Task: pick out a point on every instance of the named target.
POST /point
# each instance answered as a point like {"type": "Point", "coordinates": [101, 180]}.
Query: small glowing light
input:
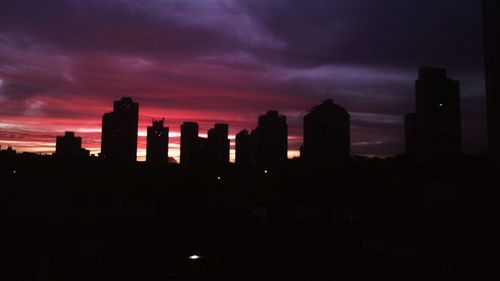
{"type": "Point", "coordinates": [14, 171]}
{"type": "Point", "coordinates": [194, 257]}
{"type": "Point", "coordinates": [441, 105]}
{"type": "Point", "coordinates": [218, 178]}
{"type": "Point", "coordinates": [265, 171]}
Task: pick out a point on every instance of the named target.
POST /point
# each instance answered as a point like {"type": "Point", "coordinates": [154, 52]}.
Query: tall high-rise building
{"type": "Point", "coordinates": [491, 15]}
{"type": "Point", "coordinates": [157, 143]}
{"type": "Point", "coordinates": [69, 147]}
{"type": "Point", "coordinates": [243, 149]}
{"type": "Point", "coordinates": [437, 115]}
{"type": "Point", "coordinates": [201, 157]}
{"type": "Point", "coordinates": [272, 140]}
{"type": "Point", "coordinates": [119, 131]}
{"type": "Point", "coordinates": [327, 138]}
{"type": "Point", "coordinates": [189, 140]}
{"type": "Point", "coordinates": [218, 145]}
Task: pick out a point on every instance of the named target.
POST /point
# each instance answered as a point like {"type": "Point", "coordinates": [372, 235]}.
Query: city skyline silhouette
{"type": "Point", "coordinates": [221, 85]}
{"type": "Point", "coordinates": [249, 140]}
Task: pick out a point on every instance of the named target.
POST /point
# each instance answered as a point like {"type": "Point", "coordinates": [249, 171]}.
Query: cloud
{"type": "Point", "coordinates": [176, 29]}
{"type": "Point", "coordinates": [391, 32]}
{"type": "Point", "coordinates": [63, 62]}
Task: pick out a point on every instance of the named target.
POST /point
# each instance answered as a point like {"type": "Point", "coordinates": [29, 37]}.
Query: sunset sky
{"type": "Point", "coordinates": [63, 62]}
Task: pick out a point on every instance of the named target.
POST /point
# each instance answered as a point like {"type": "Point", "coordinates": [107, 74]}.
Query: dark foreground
{"type": "Point", "coordinates": [376, 220]}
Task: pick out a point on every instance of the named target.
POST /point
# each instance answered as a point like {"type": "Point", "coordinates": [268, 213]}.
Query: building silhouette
{"type": "Point", "coordinates": [202, 154]}
{"type": "Point", "coordinates": [271, 137]}
{"type": "Point", "coordinates": [218, 145]}
{"type": "Point", "coordinates": [157, 143]}
{"type": "Point", "coordinates": [119, 131]}
{"type": "Point", "coordinates": [69, 147]}
{"type": "Point", "coordinates": [242, 158]}
{"type": "Point", "coordinates": [438, 133]}
{"type": "Point", "coordinates": [491, 15]}
{"type": "Point", "coordinates": [254, 147]}
{"type": "Point", "coordinates": [8, 153]}
{"type": "Point", "coordinates": [189, 143]}
{"type": "Point", "coordinates": [265, 146]}
{"type": "Point", "coordinates": [411, 136]}
{"type": "Point", "coordinates": [327, 138]}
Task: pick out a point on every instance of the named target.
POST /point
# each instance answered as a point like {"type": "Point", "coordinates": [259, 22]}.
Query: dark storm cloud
{"type": "Point", "coordinates": [130, 27]}
{"type": "Point", "coordinates": [394, 32]}
{"type": "Point", "coordinates": [21, 91]}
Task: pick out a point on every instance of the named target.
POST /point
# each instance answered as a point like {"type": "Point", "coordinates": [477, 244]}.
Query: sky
{"type": "Point", "coordinates": [64, 62]}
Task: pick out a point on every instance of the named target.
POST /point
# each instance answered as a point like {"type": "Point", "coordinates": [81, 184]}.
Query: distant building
{"type": "Point", "coordinates": [327, 138]}
{"type": "Point", "coordinates": [218, 145]}
{"type": "Point", "coordinates": [69, 147]}
{"type": "Point", "coordinates": [272, 140]}
{"type": "Point", "coordinates": [254, 147]}
{"type": "Point", "coordinates": [189, 140]}
{"type": "Point", "coordinates": [437, 115]}
{"type": "Point", "coordinates": [491, 15]}
{"type": "Point", "coordinates": [119, 131]}
{"type": "Point", "coordinates": [243, 149]}
{"type": "Point", "coordinates": [157, 143]}
{"type": "Point", "coordinates": [202, 154]}
{"type": "Point", "coordinates": [8, 153]}
{"type": "Point", "coordinates": [210, 152]}
{"type": "Point", "coordinates": [411, 135]}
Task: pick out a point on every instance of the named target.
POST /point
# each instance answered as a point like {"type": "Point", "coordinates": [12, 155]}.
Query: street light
{"type": "Point", "coordinates": [194, 257]}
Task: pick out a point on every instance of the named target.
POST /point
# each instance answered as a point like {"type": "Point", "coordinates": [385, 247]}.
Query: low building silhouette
{"type": "Point", "coordinates": [157, 143]}
{"type": "Point", "coordinates": [8, 153]}
{"type": "Point", "coordinates": [69, 147]}
{"type": "Point", "coordinates": [119, 131]}
{"type": "Point", "coordinates": [327, 138]}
